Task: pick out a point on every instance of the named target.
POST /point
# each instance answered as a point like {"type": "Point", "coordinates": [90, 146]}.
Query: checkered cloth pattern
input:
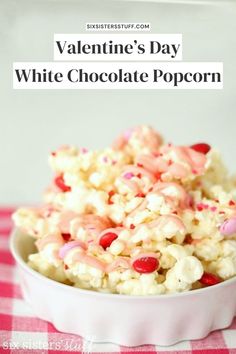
{"type": "Point", "coordinates": [21, 332]}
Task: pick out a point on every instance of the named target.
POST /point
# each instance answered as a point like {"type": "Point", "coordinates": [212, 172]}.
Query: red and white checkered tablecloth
{"type": "Point", "coordinates": [21, 332]}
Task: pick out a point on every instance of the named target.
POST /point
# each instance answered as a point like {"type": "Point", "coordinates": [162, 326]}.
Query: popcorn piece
{"type": "Point", "coordinates": [174, 284]}
{"type": "Point", "coordinates": [177, 251]}
{"type": "Point", "coordinates": [188, 269]}
{"type": "Point", "coordinates": [207, 250]}
{"type": "Point", "coordinates": [116, 247]}
{"type": "Point", "coordinates": [226, 267]}
{"type": "Point", "coordinates": [228, 248]}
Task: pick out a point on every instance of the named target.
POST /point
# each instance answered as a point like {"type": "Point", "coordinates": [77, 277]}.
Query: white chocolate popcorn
{"type": "Point", "coordinates": [177, 251]}
{"type": "Point", "coordinates": [188, 269]}
{"type": "Point", "coordinates": [174, 284]}
{"type": "Point", "coordinates": [139, 218]}
{"type": "Point", "coordinates": [50, 254]}
{"type": "Point", "coordinates": [226, 267]}
{"type": "Point", "coordinates": [207, 250]}
{"type": "Point", "coordinates": [116, 247]}
{"type": "Point", "coordinates": [228, 248]}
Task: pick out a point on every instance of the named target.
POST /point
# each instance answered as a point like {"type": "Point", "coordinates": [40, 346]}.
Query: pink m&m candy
{"type": "Point", "coordinates": [228, 227]}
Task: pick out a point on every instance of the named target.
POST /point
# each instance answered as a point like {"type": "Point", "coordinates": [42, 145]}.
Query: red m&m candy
{"type": "Point", "coordinates": [107, 239]}
{"type": "Point", "coordinates": [66, 236]}
{"type": "Point", "coordinates": [60, 183]}
{"type": "Point", "coordinates": [146, 264]}
{"type": "Point", "coordinates": [201, 147]}
{"type": "Point", "coordinates": [209, 279]}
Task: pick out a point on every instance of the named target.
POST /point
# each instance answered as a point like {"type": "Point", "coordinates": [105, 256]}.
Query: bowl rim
{"type": "Point", "coordinates": [51, 282]}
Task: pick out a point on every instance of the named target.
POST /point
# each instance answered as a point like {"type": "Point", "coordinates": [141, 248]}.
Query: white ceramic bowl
{"type": "Point", "coordinates": [122, 319]}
